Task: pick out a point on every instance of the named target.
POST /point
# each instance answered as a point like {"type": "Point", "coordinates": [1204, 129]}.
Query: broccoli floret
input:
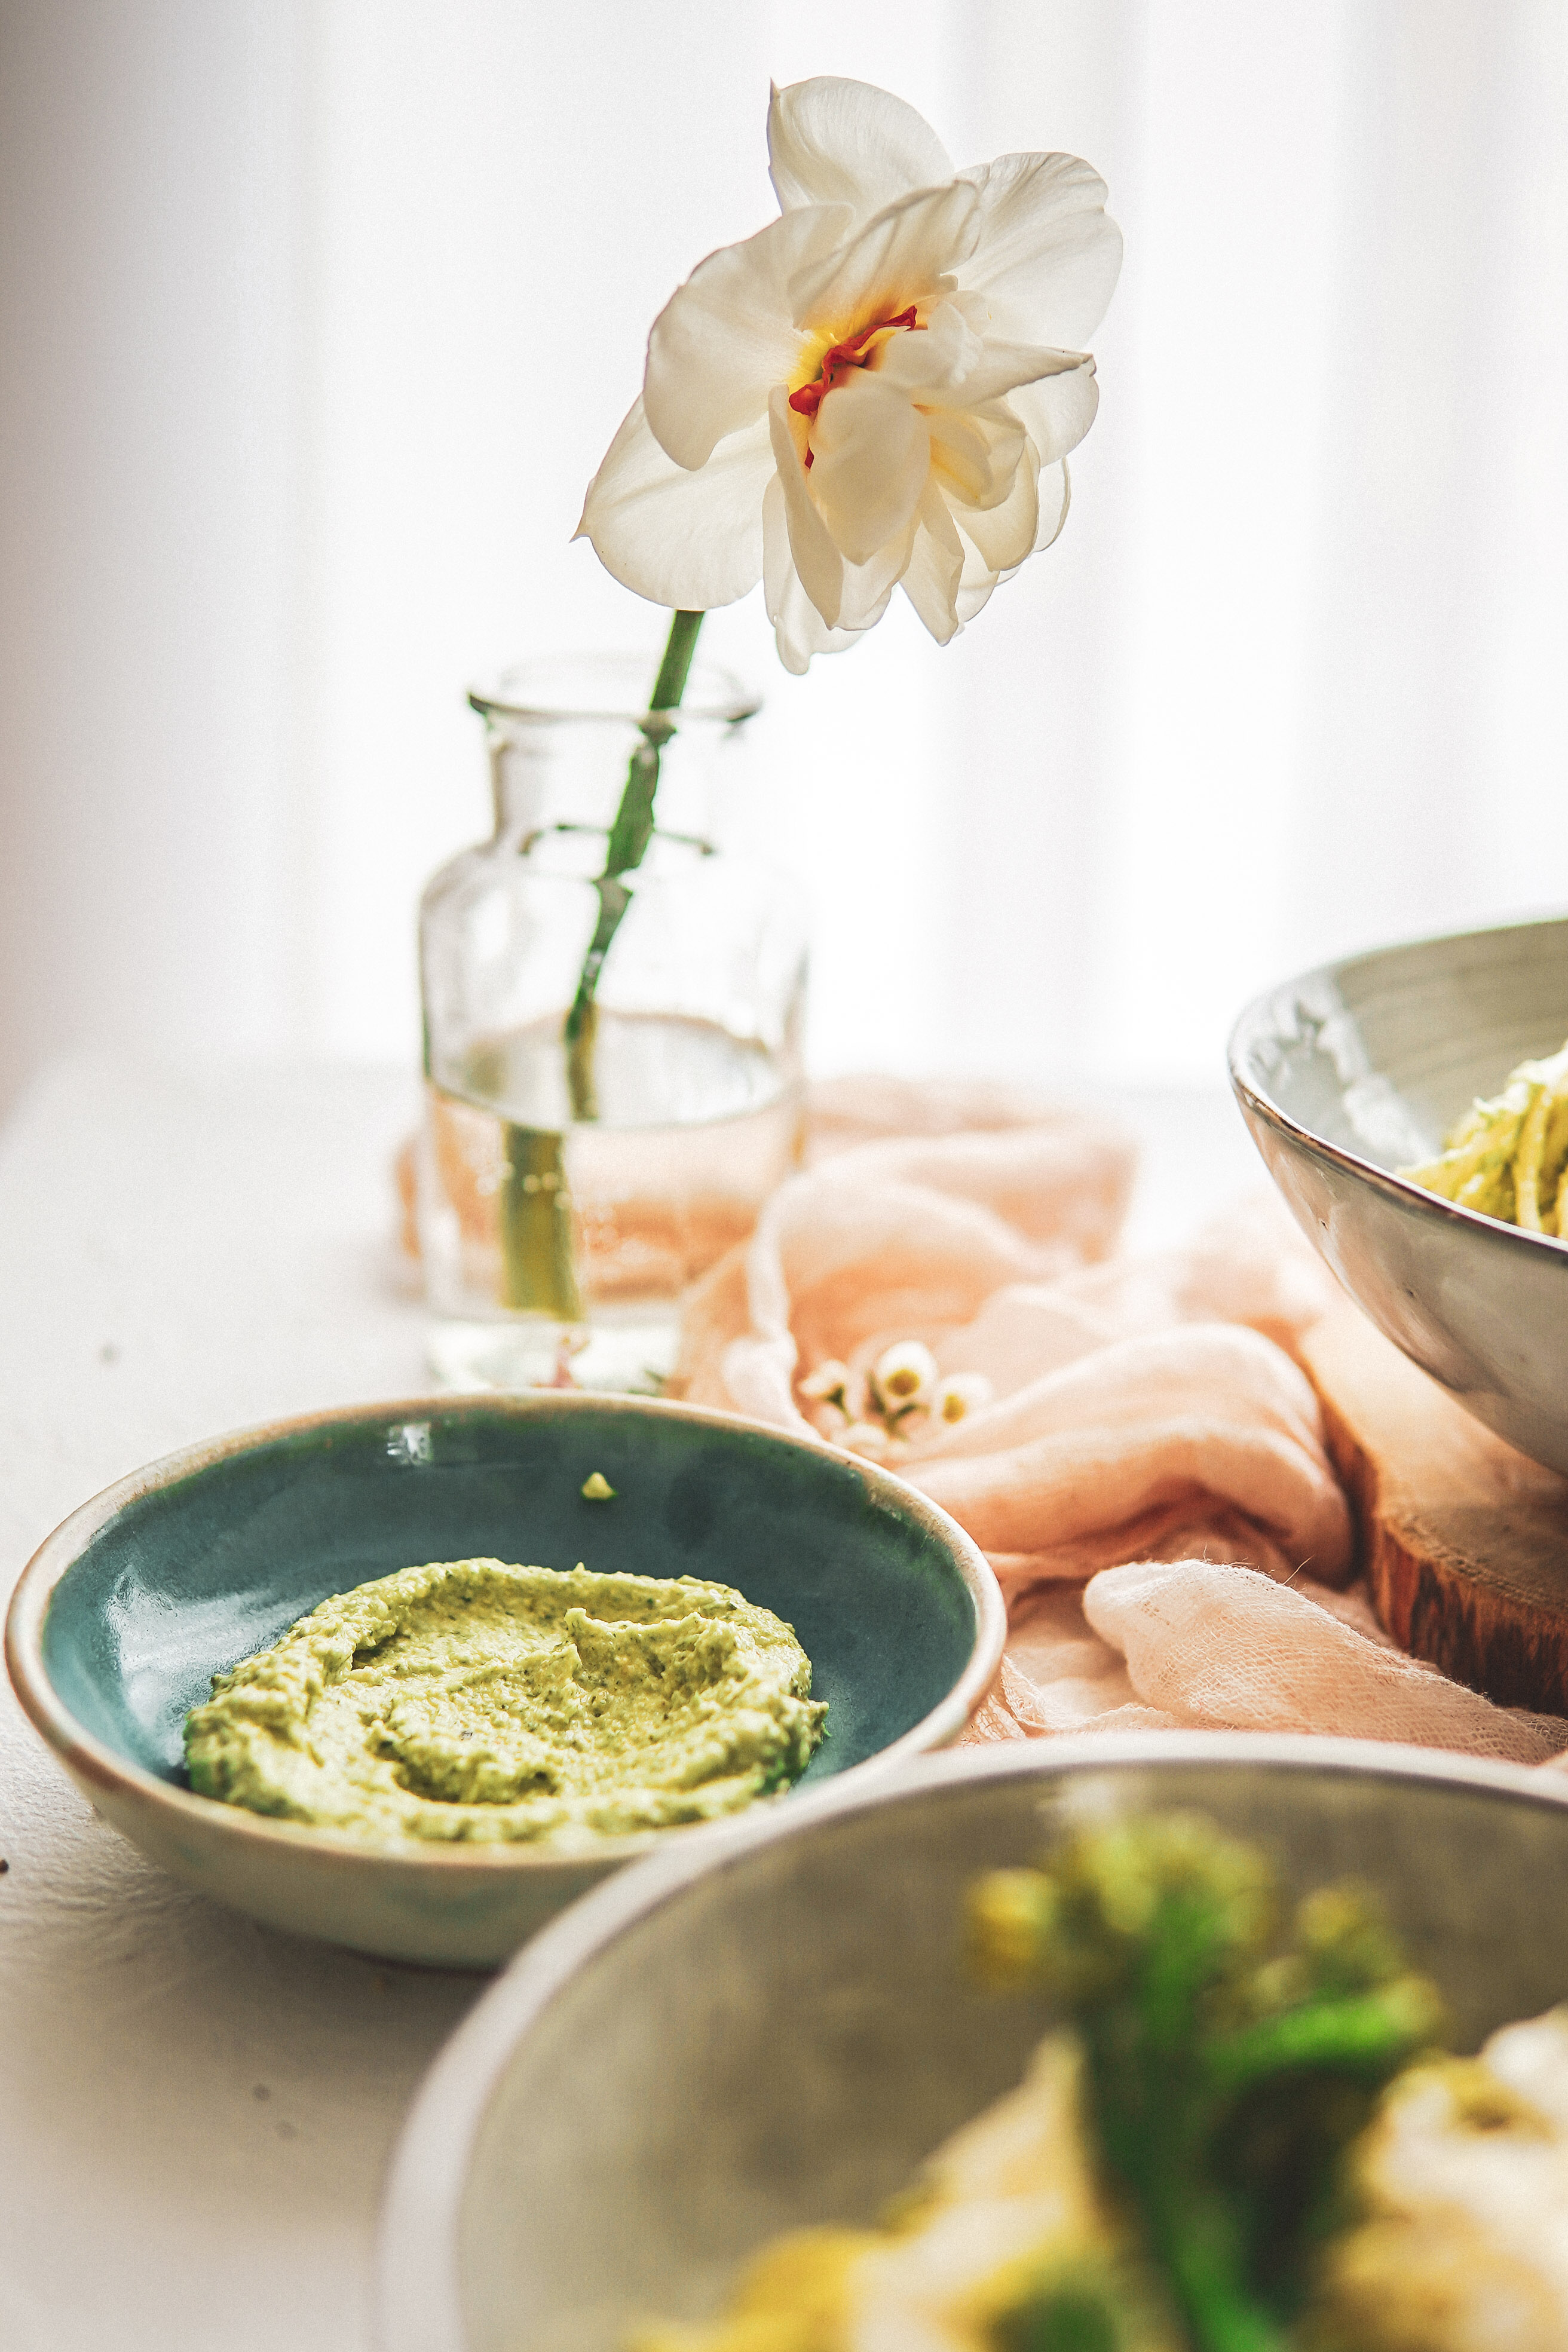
{"type": "Point", "coordinates": [1228, 2066]}
{"type": "Point", "coordinates": [1090, 2303]}
{"type": "Point", "coordinates": [1066, 2315]}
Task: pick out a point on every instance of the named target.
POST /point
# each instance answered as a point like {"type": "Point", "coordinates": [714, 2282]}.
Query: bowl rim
{"type": "Point", "coordinates": [417, 2291]}
{"type": "Point", "coordinates": [91, 1761]}
{"type": "Point", "coordinates": [1254, 1097]}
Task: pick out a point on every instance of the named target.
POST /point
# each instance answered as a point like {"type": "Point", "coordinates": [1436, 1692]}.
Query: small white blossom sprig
{"type": "Point", "coordinates": [880, 1412]}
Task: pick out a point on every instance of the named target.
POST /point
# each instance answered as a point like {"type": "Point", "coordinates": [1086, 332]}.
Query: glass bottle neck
{"type": "Point", "coordinates": [563, 737]}
{"type": "Point", "coordinates": [565, 780]}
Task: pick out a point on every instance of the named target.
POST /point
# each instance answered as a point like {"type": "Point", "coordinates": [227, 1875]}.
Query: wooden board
{"type": "Point", "coordinates": [1464, 1542]}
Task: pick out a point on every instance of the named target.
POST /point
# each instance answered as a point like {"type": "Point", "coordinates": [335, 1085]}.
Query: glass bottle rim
{"type": "Point", "coordinates": [553, 689]}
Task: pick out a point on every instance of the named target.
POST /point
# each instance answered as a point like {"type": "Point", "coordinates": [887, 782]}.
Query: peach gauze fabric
{"type": "Point", "coordinates": [1149, 1479]}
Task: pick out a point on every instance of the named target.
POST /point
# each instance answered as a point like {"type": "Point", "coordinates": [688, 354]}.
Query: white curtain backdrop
{"type": "Point", "coordinates": [317, 318]}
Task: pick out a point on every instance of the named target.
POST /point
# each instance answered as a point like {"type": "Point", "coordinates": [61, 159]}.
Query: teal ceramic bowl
{"type": "Point", "coordinates": [125, 1613]}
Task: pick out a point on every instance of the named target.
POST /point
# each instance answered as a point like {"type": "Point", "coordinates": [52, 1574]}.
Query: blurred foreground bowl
{"type": "Point", "coordinates": [775, 2032]}
{"type": "Point", "coordinates": [125, 1613]}
{"type": "Point", "coordinates": [1362, 1067]}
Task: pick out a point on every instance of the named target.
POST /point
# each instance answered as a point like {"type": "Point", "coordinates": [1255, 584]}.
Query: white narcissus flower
{"type": "Point", "coordinates": [876, 391]}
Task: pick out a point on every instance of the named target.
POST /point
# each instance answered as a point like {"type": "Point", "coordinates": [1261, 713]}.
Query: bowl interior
{"type": "Point", "coordinates": [1382, 1052]}
{"type": "Point", "coordinates": [784, 2039]}
{"type": "Point", "coordinates": [197, 1572]}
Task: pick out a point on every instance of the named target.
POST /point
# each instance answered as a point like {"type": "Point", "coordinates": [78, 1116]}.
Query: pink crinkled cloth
{"type": "Point", "coordinates": [1147, 1473]}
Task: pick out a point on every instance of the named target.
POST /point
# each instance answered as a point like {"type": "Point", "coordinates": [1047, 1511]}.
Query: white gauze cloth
{"type": "Point", "coordinates": [1148, 1477]}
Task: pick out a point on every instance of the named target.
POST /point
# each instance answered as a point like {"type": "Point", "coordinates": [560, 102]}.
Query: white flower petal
{"type": "Point", "coordinates": [947, 363]}
{"type": "Point", "coordinates": [972, 599]}
{"type": "Point", "coordinates": [817, 558]}
{"type": "Point", "coordinates": [1056, 497]}
{"type": "Point", "coordinates": [995, 367]}
{"type": "Point", "coordinates": [903, 254]}
{"type": "Point", "coordinates": [781, 580]}
{"type": "Point", "coordinates": [725, 338]}
{"type": "Point", "coordinates": [1057, 412]}
{"type": "Point", "coordinates": [1003, 534]}
{"type": "Point", "coordinates": [691, 540]}
{"type": "Point", "coordinates": [867, 586]}
{"type": "Point", "coordinates": [1006, 367]}
{"type": "Point", "coordinates": [1048, 257]}
{"type": "Point", "coordinates": [872, 453]}
{"type": "Point", "coordinates": [975, 453]}
{"type": "Point", "coordinates": [979, 577]}
{"type": "Point", "coordinates": [799, 629]}
{"type": "Point", "coordinates": [935, 567]}
{"type": "Point", "coordinates": [832, 141]}
{"type": "Point", "coordinates": [795, 644]}
{"type": "Point", "coordinates": [932, 359]}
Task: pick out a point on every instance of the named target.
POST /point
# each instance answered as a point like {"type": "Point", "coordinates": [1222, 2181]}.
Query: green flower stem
{"type": "Point", "coordinates": [629, 837]}
{"type": "Point", "coordinates": [539, 1257]}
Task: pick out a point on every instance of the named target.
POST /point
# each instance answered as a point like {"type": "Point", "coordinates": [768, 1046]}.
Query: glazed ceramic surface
{"type": "Point", "coordinates": [122, 1618]}
{"type": "Point", "coordinates": [775, 2033]}
{"type": "Point", "coordinates": [1362, 1067]}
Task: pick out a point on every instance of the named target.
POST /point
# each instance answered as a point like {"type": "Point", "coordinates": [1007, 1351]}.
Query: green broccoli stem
{"type": "Point", "coordinates": [1164, 2097]}
{"type": "Point", "coordinates": [1154, 2125]}
{"type": "Point", "coordinates": [623, 853]}
{"type": "Point", "coordinates": [1224, 2079]}
{"type": "Point", "coordinates": [1366, 2035]}
{"type": "Point", "coordinates": [1193, 2236]}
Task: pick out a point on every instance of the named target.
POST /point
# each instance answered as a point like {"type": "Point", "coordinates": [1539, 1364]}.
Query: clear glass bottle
{"type": "Point", "coordinates": [557, 1248]}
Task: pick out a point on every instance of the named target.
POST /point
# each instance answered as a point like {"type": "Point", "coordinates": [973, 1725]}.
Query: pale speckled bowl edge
{"type": "Point", "coordinates": [417, 2304]}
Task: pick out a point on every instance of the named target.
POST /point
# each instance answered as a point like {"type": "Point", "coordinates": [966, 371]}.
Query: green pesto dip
{"type": "Point", "coordinates": [473, 1700]}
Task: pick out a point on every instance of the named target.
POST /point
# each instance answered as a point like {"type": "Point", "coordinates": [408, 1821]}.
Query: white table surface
{"type": "Point", "coordinates": [196, 2112]}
